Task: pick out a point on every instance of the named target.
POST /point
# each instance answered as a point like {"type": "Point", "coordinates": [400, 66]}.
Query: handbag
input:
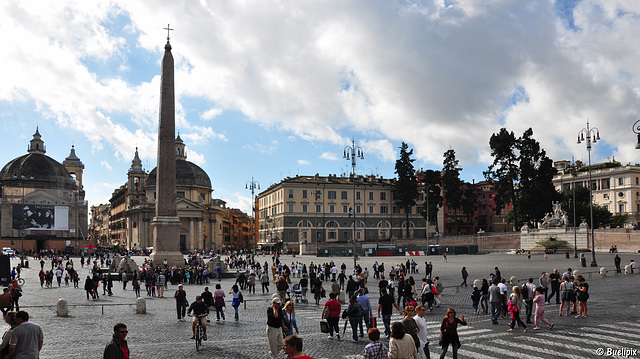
{"type": "Point", "coordinates": [326, 314]}
{"type": "Point", "coordinates": [324, 326]}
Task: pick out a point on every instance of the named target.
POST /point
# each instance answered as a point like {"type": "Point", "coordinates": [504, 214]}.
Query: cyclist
{"type": "Point", "coordinates": [200, 312]}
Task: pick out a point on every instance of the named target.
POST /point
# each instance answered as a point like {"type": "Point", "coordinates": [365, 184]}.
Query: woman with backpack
{"type": "Point", "coordinates": [354, 313]}
{"type": "Point", "coordinates": [515, 306]}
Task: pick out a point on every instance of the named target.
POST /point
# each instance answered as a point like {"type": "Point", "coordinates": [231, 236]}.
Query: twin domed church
{"type": "Point", "coordinates": [43, 207]}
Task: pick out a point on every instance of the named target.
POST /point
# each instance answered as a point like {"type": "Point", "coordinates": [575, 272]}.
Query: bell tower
{"type": "Point", "coordinates": [75, 167]}
{"type": "Point", "coordinates": [136, 176]}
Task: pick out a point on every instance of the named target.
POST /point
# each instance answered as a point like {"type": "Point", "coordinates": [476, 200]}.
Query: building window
{"type": "Point", "coordinates": [420, 210]}
{"type": "Point", "coordinates": [621, 208]}
{"type": "Point", "coordinates": [637, 181]}
{"type": "Point", "coordinates": [370, 196]}
{"type": "Point", "coordinates": [305, 208]}
{"type": "Point", "coordinates": [180, 194]}
{"type": "Point", "coordinates": [345, 208]}
{"type": "Point", "coordinates": [332, 208]}
{"type": "Point", "coordinates": [290, 193]}
{"type": "Point", "coordinates": [358, 195]}
{"type": "Point", "coordinates": [331, 235]}
{"type": "Point", "coordinates": [318, 208]}
{"type": "Point", "coordinates": [343, 195]}
{"type": "Point", "coordinates": [371, 209]}
{"type": "Point", "coordinates": [358, 209]}
{"type": "Point", "coordinates": [605, 196]}
{"type": "Point", "coordinates": [332, 194]}
{"type": "Point", "coordinates": [396, 209]}
{"type": "Point", "coordinates": [383, 196]}
{"type": "Point", "coordinates": [621, 181]}
{"type": "Point", "coordinates": [304, 193]}
{"type": "Point", "coordinates": [290, 207]}
{"type": "Point", "coordinates": [384, 209]}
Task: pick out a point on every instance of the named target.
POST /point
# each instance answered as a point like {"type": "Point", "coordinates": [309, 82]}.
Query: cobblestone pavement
{"type": "Point", "coordinates": [613, 322]}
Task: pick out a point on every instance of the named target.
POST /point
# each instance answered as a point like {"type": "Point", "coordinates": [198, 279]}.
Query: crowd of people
{"type": "Point", "coordinates": [401, 288]}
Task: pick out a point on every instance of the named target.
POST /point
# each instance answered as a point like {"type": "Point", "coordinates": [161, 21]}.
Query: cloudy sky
{"type": "Point", "coordinates": [270, 89]}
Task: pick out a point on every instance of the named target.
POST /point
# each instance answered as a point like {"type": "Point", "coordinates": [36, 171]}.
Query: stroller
{"type": "Point", "coordinates": [297, 294]}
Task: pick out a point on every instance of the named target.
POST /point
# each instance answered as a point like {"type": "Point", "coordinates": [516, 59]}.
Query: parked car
{"type": "Point", "coordinates": [8, 251]}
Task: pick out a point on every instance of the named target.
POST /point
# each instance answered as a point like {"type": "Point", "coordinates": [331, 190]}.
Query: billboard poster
{"type": "Point", "coordinates": [34, 217]}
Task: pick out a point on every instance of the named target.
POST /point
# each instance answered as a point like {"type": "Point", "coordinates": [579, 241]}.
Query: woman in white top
{"type": "Point", "coordinates": [401, 345]}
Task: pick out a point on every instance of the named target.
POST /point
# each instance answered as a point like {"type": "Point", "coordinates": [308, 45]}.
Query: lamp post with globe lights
{"type": "Point", "coordinates": [352, 153]}
{"type": "Point", "coordinates": [587, 133]}
{"type": "Point", "coordinates": [252, 185]}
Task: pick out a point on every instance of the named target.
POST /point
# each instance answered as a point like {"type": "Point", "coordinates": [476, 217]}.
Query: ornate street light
{"type": "Point", "coordinates": [636, 130]}
{"type": "Point", "coordinates": [582, 134]}
{"type": "Point", "coordinates": [252, 185]}
{"type": "Point", "coordinates": [352, 153]}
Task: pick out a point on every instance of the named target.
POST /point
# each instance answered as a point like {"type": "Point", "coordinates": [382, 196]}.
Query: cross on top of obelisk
{"type": "Point", "coordinates": [168, 28]}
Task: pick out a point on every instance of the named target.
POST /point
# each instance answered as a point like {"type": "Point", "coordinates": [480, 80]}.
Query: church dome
{"type": "Point", "coordinates": [38, 167]}
{"type": "Point", "coordinates": [188, 174]}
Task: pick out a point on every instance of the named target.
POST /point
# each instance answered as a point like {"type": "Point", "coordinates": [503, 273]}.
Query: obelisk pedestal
{"type": "Point", "coordinates": [166, 223]}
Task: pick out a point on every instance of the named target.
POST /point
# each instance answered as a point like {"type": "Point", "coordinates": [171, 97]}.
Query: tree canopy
{"type": "Point", "coordinates": [406, 187]}
{"type": "Point", "coordinates": [522, 175]}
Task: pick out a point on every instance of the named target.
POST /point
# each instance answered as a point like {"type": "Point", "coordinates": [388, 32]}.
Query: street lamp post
{"type": "Point", "coordinates": [352, 153]}
{"type": "Point", "coordinates": [636, 130]}
{"type": "Point", "coordinates": [427, 192]}
{"type": "Point", "coordinates": [22, 227]}
{"type": "Point", "coordinates": [582, 134]}
{"type": "Point", "coordinates": [575, 229]}
{"type": "Point", "coordinates": [317, 194]}
{"type": "Point", "coordinates": [252, 185]}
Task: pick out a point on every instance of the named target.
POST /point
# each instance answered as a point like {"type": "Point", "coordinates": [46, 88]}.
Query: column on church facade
{"type": "Point", "coordinates": [199, 234]}
{"type": "Point", "coordinates": [212, 235]}
{"type": "Point", "coordinates": [191, 235]}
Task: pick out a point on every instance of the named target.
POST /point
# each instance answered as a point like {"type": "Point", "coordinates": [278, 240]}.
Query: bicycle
{"type": "Point", "coordinates": [20, 281]}
{"type": "Point", "coordinates": [199, 332]}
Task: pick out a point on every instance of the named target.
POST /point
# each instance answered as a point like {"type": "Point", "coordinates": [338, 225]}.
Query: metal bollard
{"type": "Point", "coordinates": [62, 309]}
{"type": "Point", "coordinates": [141, 306]}
{"type": "Point", "coordinates": [603, 272]}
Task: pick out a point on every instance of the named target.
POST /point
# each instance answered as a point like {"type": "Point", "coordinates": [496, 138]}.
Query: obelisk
{"type": "Point", "coordinates": [166, 223]}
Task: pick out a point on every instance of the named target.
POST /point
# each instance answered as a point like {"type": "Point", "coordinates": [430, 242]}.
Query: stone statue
{"type": "Point", "coordinates": [556, 219]}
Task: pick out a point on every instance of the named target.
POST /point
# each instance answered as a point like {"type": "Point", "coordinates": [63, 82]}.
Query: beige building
{"type": "Point", "coordinates": [42, 201]}
{"type": "Point", "coordinates": [615, 187]}
{"type": "Point", "coordinates": [304, 212]}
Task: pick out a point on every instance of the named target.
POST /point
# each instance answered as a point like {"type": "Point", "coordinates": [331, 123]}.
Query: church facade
{"type": "Point", "coordinates": [205, 222]}
{"type": "Point", "coordinates": [42, 204]}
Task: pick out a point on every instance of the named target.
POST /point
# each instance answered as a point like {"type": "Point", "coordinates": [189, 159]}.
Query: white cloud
{"type": "Point", "coordinates": [211, 113]}
{"type": "Point", "coordinates": [202, 135]}
{"type": "Point", "coordinates": [331, 156]}
{"type": "Point", "coordinates": [381, 149]}
{"type": "Point", "coordinates": [106, 165]}
{"type": "Point", "coordinates": [196, 158]}
{"type": "Point", "coordinates": [304, 162]}
{"type": "Point", "coordinates": [268, 148]}
{"type": "Point", "coordinates": [240, 201]}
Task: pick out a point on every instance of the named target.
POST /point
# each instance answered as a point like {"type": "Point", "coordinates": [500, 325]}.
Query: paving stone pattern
{"type": "Point", "coordinates": [613, 322]}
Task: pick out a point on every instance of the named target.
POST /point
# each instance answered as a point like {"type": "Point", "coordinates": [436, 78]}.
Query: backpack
{"type": "Point", "coordinates": [525, 292]}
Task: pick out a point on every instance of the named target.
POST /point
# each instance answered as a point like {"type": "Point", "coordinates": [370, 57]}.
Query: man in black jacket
{"type": "Point", "coordinates": [117, 347]}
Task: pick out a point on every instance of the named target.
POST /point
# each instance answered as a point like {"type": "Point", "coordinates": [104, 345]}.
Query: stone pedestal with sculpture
{"type": "Point", "coordinates": [554, 227]}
